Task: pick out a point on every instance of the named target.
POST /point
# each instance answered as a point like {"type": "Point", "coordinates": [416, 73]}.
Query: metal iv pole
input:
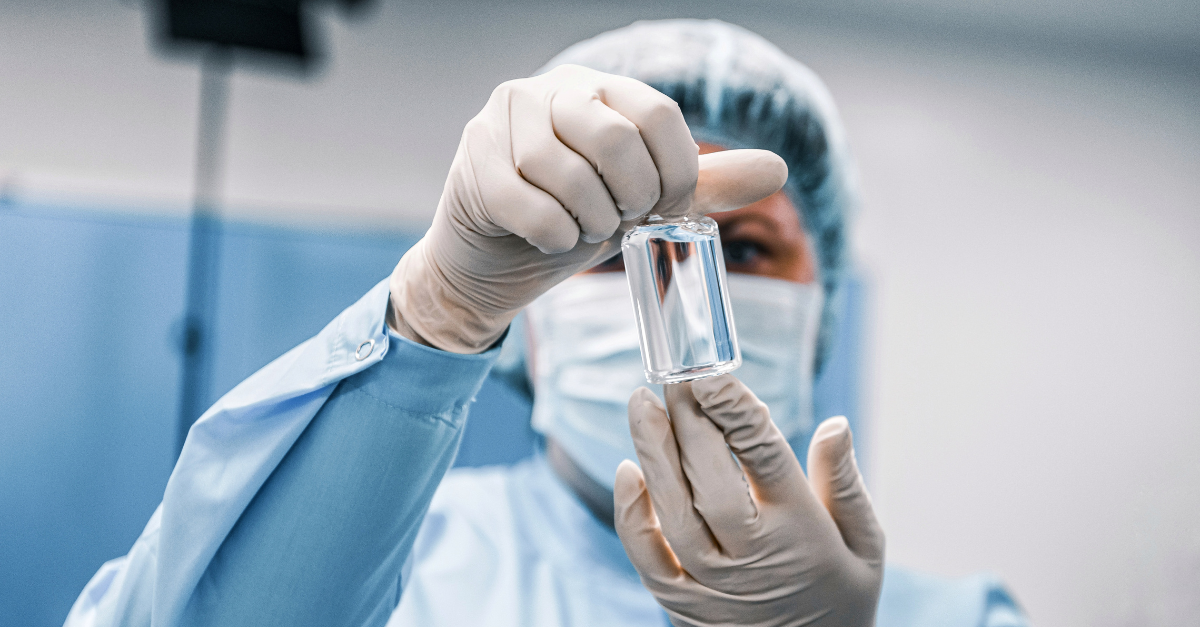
{"type": "Point", "coordinates": [204, 245]}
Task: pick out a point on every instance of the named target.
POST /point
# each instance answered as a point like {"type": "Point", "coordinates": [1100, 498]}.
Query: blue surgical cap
{"type": "Point", "coordinates": [737, 90]}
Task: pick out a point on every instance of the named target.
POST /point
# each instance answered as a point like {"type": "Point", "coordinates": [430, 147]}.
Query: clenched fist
{"type": "Point", "coordinates": [547, 179]}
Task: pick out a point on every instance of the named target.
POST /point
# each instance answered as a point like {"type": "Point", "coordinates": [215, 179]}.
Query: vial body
{"type": "Point", "coordinates": [676, 273]}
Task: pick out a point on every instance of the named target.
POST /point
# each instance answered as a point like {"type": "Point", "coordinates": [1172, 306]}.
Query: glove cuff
{"type": "Point", "coordinates": [422, 297]}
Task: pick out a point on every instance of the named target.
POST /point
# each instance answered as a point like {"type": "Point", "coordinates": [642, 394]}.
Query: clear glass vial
{"type": "Point", "coordinates": [676, 274]}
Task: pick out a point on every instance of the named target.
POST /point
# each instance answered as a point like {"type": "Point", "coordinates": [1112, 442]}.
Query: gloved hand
{"type": "Point", "coordinates": [547, 179]}
{"type": "Point", "coordinates": [757, 545]}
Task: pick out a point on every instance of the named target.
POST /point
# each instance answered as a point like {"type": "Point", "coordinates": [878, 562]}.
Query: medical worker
{"type": "Point", "coordinates": [298, 497]}
{"type": "Point", "coordinates": [533, 544]}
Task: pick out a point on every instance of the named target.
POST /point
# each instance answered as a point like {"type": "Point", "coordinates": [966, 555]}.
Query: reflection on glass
{"type": "Point", "coordinates": [676, 275]}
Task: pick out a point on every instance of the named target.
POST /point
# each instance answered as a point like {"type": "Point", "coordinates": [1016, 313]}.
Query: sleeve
{"type": "Point", "coordinates": [308, 478]}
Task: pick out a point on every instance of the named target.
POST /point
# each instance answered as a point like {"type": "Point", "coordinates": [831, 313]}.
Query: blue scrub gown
{"type": "Point", "coordinates": [514, 547]}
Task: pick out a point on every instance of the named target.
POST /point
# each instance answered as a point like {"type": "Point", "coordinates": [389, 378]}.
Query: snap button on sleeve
{"type": "Point", "coordinates": [364, 350]}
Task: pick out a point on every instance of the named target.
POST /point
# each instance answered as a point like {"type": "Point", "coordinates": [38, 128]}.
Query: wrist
{"type": "Point", "coordinates": [396, 322]}
{"type": "Point", "coordinates": [425, 308]}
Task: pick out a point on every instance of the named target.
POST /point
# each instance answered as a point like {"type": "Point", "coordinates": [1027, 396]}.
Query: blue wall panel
{"type": "Point", "coordinates": [88, 383]}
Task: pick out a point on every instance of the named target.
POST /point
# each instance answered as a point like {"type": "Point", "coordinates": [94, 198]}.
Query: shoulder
{"type": "Point", "coordinates": [913, 598]}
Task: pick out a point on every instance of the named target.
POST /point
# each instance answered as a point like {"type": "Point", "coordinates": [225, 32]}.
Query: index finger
{"type": "Point", "coordinates": [719, 489]}
{"type": "Point", "coordinates": [666, 135]}
{"type": "Point", "coordinates": [670, 492]}
{"type": "Point", "coordinates": [767, 460]}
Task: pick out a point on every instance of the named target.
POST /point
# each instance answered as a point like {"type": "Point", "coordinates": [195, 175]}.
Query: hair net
{"type": "Point", "coordinates": [738, 90]}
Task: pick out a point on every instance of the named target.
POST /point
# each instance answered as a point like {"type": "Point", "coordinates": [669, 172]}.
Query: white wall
{"type": "Point", "coordinates": [1031, 235]}
{"type": "Point", "coordinates": [1033, 232]}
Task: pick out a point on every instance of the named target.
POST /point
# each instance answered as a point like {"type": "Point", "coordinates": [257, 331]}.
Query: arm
{"type": "Point", "coordinates": [266, 480]}
{"type": "Point", "coordinates": [323, 541]}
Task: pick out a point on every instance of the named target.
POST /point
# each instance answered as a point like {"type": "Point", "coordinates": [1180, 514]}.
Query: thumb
{"type": "Point", "coordinates": [732, 179]}
{"type": "Point", "coordinates": [638, 527]}
{"type": "Point", "coordinates": [834, 477]}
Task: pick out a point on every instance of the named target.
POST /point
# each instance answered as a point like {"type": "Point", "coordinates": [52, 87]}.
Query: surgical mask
{"type": "Point", "coordinates": [584, 361]}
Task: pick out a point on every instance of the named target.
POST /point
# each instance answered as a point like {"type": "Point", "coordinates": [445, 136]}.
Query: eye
{"type": "Point", "coordinates": [741, 252]}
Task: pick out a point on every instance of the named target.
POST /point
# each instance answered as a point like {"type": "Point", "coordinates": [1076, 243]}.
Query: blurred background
{"type": "Point", "coordinates": [1023, 362]}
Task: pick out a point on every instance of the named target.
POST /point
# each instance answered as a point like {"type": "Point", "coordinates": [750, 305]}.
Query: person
{"type": "Point", "coordinates": [503, 545]}
{"type": "Point", "coordinates": [301, 497]}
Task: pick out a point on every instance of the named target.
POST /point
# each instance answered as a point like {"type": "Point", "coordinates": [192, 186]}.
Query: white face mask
{"type": "Point", "coordinates": [585, 362]}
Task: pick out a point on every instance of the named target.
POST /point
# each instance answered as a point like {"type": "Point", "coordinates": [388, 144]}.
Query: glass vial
{"type": "Point", "coordinates": [676, 274]}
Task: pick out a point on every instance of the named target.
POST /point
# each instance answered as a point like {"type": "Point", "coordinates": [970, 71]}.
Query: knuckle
{"type": "Point", "coordinates": [532, 162]}
{"type": "Point", "coordinates": [578, 172]}
{"type": "Point", "coordinates": [663, 110]}
{"type": "Point", "coordinates": [616, 135]}
{"type": "Point", "coordinates": [503, 90]}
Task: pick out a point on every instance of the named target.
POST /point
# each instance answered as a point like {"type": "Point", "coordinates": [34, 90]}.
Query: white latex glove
{"type": "Point", "coordinates": [547, 179]}
{"type": "Point", "coordinates": [719, 544]}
